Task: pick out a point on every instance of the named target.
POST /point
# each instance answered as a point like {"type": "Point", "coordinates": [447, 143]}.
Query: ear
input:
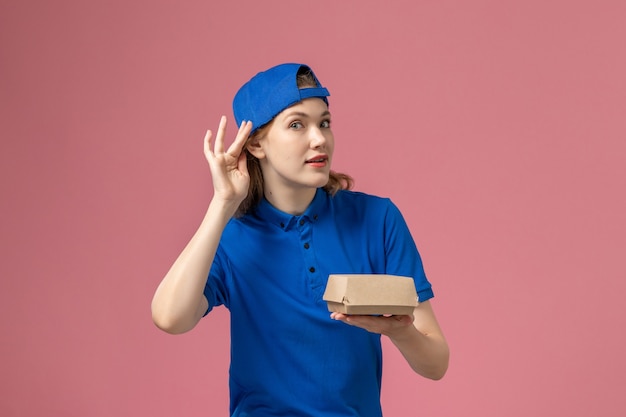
{"type": "Point", "coordinates": [255, 148]}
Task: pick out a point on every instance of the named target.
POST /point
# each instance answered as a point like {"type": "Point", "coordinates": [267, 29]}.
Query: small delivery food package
{"type": "Point", "coordinates": [373, 294]}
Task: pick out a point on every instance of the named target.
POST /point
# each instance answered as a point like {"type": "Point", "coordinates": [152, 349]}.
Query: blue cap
{"type": "Point", "coordinates": [272, 91]}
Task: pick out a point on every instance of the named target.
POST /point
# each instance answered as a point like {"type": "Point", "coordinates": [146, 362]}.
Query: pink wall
{"type": "Point", "coordinates": [498, 127]}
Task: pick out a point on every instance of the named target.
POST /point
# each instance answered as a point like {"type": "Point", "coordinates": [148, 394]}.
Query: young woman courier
{"type": "Point", "coordinates": [279, 223]}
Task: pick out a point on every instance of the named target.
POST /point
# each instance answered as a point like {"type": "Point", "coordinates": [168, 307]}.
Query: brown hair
{"type": "Point", "coordinates": [336, 180]}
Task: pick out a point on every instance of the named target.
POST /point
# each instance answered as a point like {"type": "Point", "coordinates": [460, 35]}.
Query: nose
{"type": "Point", "coordinates": [317, 137]}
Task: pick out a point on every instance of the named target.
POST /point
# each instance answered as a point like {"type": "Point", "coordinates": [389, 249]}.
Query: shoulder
{"type": "Point", "coordinates": [247, 227]}
{"type": "Point", "coordinates": [368, 208]}
{"type": "Point", "coordinates": [358, 197]}
{"type": "Point", "coordinates": [363, 202]}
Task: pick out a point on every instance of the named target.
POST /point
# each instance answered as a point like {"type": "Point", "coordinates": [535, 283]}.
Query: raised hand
{"type": "Point", "coordinates": [228, 168]}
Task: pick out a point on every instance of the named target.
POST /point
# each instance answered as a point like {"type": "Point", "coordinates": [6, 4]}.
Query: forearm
{"type": "Point", "coordinates": [178, 302]}
{"type": "Point", "coordinates": [418, 337]}
{"type": "Point", "coordinates": [427, 354]}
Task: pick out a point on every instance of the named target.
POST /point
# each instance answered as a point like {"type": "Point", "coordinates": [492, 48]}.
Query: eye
{"type": "Point", "coordinates": [295, 125]}
{"type": "Point", "coordinates": [325, 124]}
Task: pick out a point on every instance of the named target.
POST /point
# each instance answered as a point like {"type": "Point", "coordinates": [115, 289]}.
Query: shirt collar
{"type": "Point", "coordinates": [286, 221]}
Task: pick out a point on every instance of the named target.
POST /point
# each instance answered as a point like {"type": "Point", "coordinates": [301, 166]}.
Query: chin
{"type": "Point", "coordinates": [322, 181]}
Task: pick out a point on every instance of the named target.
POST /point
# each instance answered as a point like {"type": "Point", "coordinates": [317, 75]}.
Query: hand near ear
{"type": "Point", "coordinates": [228, 168]}
{"type": "Point", "coordinates": [179, 302]}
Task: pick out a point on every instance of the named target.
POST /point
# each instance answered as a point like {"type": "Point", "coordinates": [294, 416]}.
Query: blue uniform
{"type": "Point", "coordinates": [288, 358]}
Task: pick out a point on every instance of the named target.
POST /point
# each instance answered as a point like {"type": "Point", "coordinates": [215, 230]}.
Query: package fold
{"type": "Point", "coordinates": [372, 294]}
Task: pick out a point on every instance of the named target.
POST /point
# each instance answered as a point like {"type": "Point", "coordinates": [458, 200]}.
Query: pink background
{"type": "Point", "coordinates": [498, 128]}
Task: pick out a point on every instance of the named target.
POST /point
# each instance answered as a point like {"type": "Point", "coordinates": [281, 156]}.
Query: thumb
{"type": "Point", "coordinates": [242, 163]}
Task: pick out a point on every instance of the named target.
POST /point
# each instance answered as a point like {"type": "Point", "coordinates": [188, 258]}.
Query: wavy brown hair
{"type": "Point", "coordinates": [336, 180]}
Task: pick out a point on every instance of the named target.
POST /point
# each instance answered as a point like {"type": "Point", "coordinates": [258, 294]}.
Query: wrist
{"type": "Point", "coordinates": [223, 208]}
{"type": "Point", "coordinates": [402, 331]}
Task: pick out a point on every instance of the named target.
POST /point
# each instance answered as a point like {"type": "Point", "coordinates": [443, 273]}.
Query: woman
{"type": "Point", "coordinates": [280, 221]}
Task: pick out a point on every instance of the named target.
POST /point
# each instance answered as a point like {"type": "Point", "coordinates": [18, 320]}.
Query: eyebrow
{"type": "Point", "coordinates": [302, 114]}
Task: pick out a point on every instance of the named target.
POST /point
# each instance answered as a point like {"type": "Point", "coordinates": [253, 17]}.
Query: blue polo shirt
{"type": "Point", "coordinates": [288, 358]}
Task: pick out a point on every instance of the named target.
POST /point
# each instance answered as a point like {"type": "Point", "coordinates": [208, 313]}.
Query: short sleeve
{"type": "Point", "coordinates": [215, 289]}
{"type": "Point", "coordinates": [401, 253]}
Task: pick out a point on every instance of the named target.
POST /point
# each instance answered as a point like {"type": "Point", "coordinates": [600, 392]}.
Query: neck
{"type": "Point", "coordinates": [291, 201]}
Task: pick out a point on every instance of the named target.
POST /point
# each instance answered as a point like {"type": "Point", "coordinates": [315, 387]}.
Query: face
{"type": "Point", "coordinates": [296, 151]}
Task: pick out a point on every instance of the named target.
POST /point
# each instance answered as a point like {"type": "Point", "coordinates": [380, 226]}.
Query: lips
{"type": "Point", "coordinates": [318, 159]}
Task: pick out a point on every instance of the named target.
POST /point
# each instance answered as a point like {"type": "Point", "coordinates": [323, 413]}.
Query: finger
{"type": "Point", "coordinates": [240, 140]}
{"type": "Point", "coordinates": [207, 143]}
{"type": "Point", "coordinates": [219, 139]}
{"type": "Point", "coordinates": [338, 316]}
{"type": "Point", "coordinates": [242, 163]}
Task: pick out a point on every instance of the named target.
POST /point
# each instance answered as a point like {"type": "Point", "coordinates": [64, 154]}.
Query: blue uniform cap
{"type": "Point", "coordinates": [270, 92]}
